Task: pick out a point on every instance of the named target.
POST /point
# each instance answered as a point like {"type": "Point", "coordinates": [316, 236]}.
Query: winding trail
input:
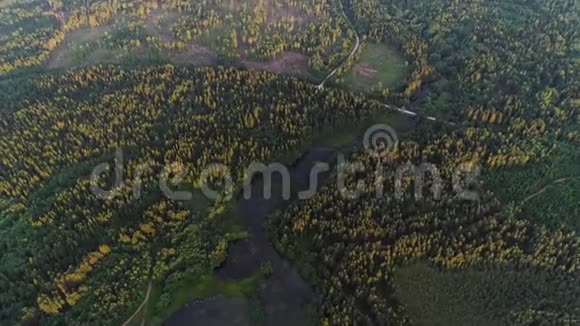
{"type": "Point", "coordinates": [541, 191]}
{"type": "Point", "coordinates": [415, 114]}
{"type": "Point", "coordinates": [352, 53]}
{"type": "Point", "coordinates": [140, 306]}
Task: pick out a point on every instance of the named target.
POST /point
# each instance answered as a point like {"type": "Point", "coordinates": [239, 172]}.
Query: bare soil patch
{"type": "Point", "coordinates": [61, 56]}
{"type": "Point", "coordinates": [274, 11]}
{"type": "Point", "coordinates": [58, 58]}
{"type": "Point", "coordinates": [364, 70]}
{"type": "Point", "coordinates": [158, 23]}
{"type": "Point", "coordinates": [277, 13]}
{"type": "Point", "coordinates": [196, 54]}
{"type": "Point", "coordinates": [6, 3]}
{"type": "Point", "coordinates": [232, 5]}
{"type": "Point", "coordinates": [289, 63]}
{"type": "Point", "coordinates": [88, 34]}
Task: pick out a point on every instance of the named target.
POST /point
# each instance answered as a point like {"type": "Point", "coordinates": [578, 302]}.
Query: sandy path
{"type": "Point", "coordinates": [141, 305]}
{"type": "Point", "coordinates": [541, 191]}
{"type": "Point", "coordinates": [352, 53]}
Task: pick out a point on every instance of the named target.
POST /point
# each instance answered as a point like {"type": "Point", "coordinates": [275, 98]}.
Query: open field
{"type": "Point", "coordinates": [378, 66]}
{"type": "Point", "coordinates": [6, 3]}
{"type": "Point", "coordinates": [288, 63]}
{"type": "Point", "coordinates": [556, 205]}
{"type": "Point", "coordinates": [474, 297]}
{"type": "Point", "coordinates": [545, 192]}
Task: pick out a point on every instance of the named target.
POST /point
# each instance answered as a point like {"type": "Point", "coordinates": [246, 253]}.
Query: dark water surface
{"type": "Point", "coordinates": [285, 297]}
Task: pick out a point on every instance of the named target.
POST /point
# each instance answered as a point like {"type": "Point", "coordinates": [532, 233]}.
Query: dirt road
{"type": "Point", "coordinates": [140, 306]}
{"type": "Point", "coordinates": [352, 53]}
{"type": "Point", "coordinates": [541, 191]}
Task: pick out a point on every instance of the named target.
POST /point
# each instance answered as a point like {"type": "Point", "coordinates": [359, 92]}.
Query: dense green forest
{"type": "Point", "coordinates": [171, 87]}
{"type": "Point", "coordinates": [158, 116]}
{"type": "Point", "coordinates": [350, 248]}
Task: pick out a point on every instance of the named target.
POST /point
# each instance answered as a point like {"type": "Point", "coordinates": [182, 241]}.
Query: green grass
{"type": "Point", "coordinates": [342, 137]}
{"type": "Point", "coordinates": [516, 183]}
{"type": "Point", "coordinates": [213, 37]}
{"type": "Point", "coordinates": [351, 134]}
{"type": "Point", "coordinates": [478, 297]}
{"type": "Point", "coordinates": [196, 287]}
{"type": "Point", "coordinates": [558, 205]}
{"type": "Point", "coordinates": [384, 66]}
